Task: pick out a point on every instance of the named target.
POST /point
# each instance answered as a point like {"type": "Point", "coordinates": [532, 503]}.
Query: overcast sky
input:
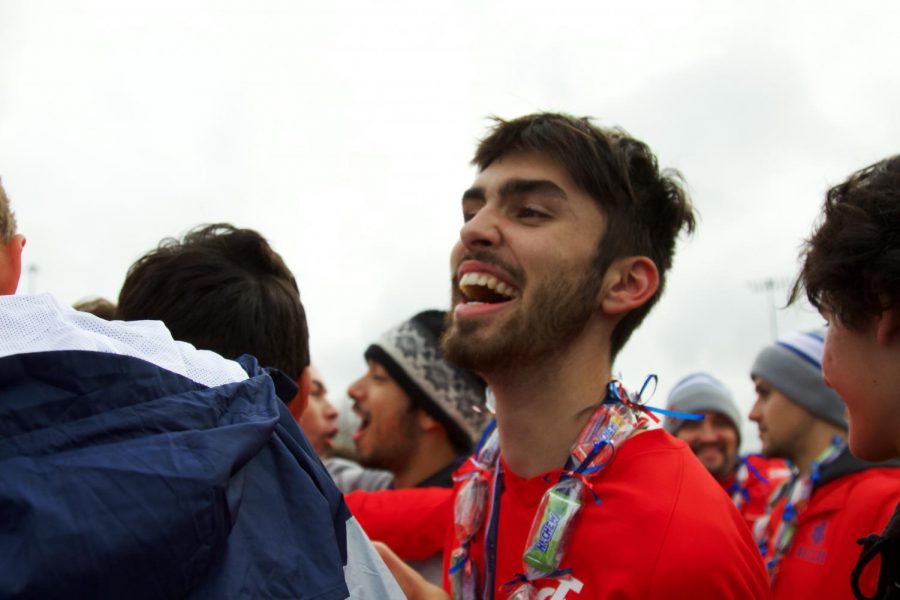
{"type": "Point", "coordinates": [343, 132]}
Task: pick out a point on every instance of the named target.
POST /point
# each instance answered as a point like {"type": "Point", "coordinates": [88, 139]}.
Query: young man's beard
{"type": "Point", "coordinates": [560, 309]}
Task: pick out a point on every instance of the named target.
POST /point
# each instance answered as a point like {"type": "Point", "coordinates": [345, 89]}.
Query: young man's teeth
{"type": "Point", "coordinates": [488, 281]}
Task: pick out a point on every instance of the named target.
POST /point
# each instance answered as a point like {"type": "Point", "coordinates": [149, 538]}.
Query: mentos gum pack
{"type": "Point", "coordinates": [551, 527]}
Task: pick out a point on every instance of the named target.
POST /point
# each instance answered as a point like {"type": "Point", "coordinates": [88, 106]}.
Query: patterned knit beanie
{"type": "Point", "coordinates": [793, 365]}
{"type": "Point", "coordinates": [701, 392]}
{"type": "Point", "coordinates": [411, 354]}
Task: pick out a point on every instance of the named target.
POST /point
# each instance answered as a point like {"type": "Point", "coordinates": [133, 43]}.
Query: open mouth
{"type": "Point", "coordinates": [481, 288]}
{"type": "Point", "coordinates": [364, 420]}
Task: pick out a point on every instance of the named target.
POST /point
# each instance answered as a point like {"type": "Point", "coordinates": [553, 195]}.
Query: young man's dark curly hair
{"type": "Point", "coordinates": [851, 263]}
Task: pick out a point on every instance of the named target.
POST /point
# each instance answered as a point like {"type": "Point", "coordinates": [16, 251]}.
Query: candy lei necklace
{"type": "Point", "coordinates": [797, 490]}
{"type": "Point", "coordinates": [616, 419]}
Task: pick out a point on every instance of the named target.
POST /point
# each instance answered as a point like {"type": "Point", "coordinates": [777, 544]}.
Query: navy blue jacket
{"type": "Point", "coordinates": [121, 479]}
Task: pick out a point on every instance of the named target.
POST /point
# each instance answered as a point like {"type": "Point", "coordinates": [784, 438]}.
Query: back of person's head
{"type": "Point", "coordinates": [454, 397]}
{"type": "Point", "coordinates": [646, 208]}
{"type": "Point", "coordinates": [7, 218]}
{"type": "Point", "coordinates": [793, 366]}
{"type": "Point", "coordinates": [851, 264]}
{"type": "Point", "coordinates": [99, 307]}
{"type": "Point", "coordinates": [223, 289]}
{"type": "Point", "coordinates": [11, 245]}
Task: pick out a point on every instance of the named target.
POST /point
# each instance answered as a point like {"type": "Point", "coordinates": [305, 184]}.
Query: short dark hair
{"type": "Point", "coordinates": [851, 263]}
{"type": "Point", "coordinates": [646, 208]}
{"type": "Point", "coordinates": [223, 289]}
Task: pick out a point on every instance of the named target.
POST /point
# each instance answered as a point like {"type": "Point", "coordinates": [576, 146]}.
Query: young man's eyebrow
{"type": "Point", "coordinates": [475, 193]}
{"type": "Point", "coordinates": [521, 187]}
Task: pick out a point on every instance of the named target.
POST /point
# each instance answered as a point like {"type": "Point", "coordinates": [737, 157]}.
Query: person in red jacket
{"type": "Point", "coordinates": [569, 230]}
{"type": "Point", "coordinates": [851, 273]}
{"type": "Point", "coordinates": [715, 440]}
{"type": "Point", "coordinates": [832, 498]}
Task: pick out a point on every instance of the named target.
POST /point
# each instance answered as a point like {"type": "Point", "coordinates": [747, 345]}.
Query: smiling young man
{"type": "Point", "coordinates": [832, 498]}
{"type": "Point", "coordinates": [851, 273]}
{"type": "Point", "coordinates": [569, 231]}
{"type": "Point", "coordinates": [715, 440]}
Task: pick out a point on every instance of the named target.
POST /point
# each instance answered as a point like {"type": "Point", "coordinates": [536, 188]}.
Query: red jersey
{"type": "Point", "coordinates": [663, 529]}
{"type": "Point", "coordinates": [824, 551]}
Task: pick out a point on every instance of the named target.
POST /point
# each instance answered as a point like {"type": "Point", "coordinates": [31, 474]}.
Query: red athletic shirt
{"type": "Point", "coordinates": [663, 529]}
{"type": "Point", "coordinates": [754, 506]}
{"type": "Point", "coordinates": [824, 549]}
{"type": "Point", "coordinates": [412, 521]}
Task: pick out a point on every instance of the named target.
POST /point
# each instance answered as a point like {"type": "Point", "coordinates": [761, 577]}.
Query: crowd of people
{"type": "Point", "coordinates": [179, 442]}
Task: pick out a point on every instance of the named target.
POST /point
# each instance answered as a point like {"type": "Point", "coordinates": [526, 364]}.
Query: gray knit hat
{"type": "Point", "coordinates": [411, 354]}
{"type": "Point", "coordinates": [793, 365]}
{"type": "Point", "coordinates": [700, 392]}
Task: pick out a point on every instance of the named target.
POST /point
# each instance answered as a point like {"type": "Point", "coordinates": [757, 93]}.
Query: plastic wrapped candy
{"type": "Point", "coordinates": [609, 427]}
{"type": "Point", "coordinates": [463, 576]}
{"type": "Point", "coordinates": [525, 591]}
{"type": "Point", "coordinates": [468, 510]}
{"type": "Point", "coordinates": [552, 527]}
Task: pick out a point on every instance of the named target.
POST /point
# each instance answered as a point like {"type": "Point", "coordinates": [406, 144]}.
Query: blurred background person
{"type": "Point", "coordinates": [420, 418]}
{"type": "Point", "coordinates": [97, 306]}
{"type": "Point", "coordinates": [319, 420]}
{"type": "Point", "coordinates": [716, 439]}
{"type": "Point", "coordinates": [808, 538]}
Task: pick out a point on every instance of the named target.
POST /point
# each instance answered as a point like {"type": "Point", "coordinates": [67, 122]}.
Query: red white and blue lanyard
{"type": "Point", "coordinates": [738, 490]}
{"type": "Point", "coordinates": [797, 490]}
{"type": "Point", "coordinates": [616, 419]}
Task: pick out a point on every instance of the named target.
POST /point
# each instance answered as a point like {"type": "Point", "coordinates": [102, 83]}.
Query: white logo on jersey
{"type": "Point", "coordinates": [565, 586]}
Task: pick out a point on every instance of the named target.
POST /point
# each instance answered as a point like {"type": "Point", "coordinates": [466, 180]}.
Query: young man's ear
{"type": "Point", "coordinates": [628, 283]}
{"type": "Point", "coordinates": [426, 422]}
{"type": "Point", "coordinates": [11, 265]}
{"type": "Point", "coordinates": [301, 400]}
{"type": "Point", "coordinates": [887, 328]}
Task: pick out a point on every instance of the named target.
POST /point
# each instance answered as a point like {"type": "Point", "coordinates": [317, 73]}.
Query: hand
{"type": "Point", "coordinates": [413, 585]}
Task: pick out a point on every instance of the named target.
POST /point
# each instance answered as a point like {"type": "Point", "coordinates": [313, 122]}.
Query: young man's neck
{"type": "Point", "coordinates": [542, 408]}
{"type": "Point", "coordinates": [432, 454]}
{"type": "Point", "coordinates": [820, 436]}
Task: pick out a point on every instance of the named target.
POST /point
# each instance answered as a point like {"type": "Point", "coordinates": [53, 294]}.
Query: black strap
{"type": "Point", "coordinates": [889, 578]}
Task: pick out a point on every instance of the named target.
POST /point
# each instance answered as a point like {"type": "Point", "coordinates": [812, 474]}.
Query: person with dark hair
{"type": "Point", "coordinates": [715, 441]}
{"type": "Point", "coordinates": [134, 465]}
{"type": "Point", "coordinates": [851, 273]}
{"type": "Point", "coordinates": [419, 415]}
{"type": "Point", "coordinates": [568, 233]}
{"type": "Point", "coordinates": [223, 289]}
{"type": "Point", "coordinates": [831, 498]}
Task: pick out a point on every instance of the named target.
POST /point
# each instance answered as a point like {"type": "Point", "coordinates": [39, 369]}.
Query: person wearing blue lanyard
{"type": "Point", "coordinates": [850, 273]}
{"type": "Point", "coordinates": [832, 498]}
{"type": "Point", "coordinates": [568, 233]}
